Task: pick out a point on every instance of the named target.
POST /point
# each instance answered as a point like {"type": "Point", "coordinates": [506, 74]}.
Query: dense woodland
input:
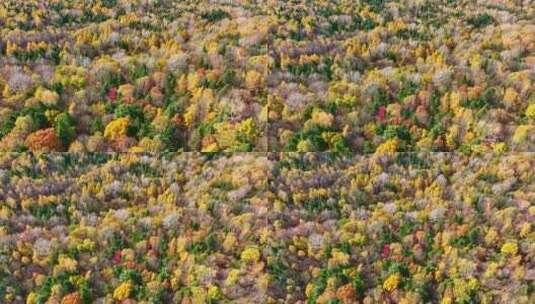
{"type": "Point", "coordinates": [250, 151]}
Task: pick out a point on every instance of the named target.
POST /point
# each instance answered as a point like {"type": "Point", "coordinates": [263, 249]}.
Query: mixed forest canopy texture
{"type": "Point", "coordinates": [267, 228]}
{"type": "Point", "coordinates": [343, 76]}
{"type": "Point", "coordinates": [267, 151]}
